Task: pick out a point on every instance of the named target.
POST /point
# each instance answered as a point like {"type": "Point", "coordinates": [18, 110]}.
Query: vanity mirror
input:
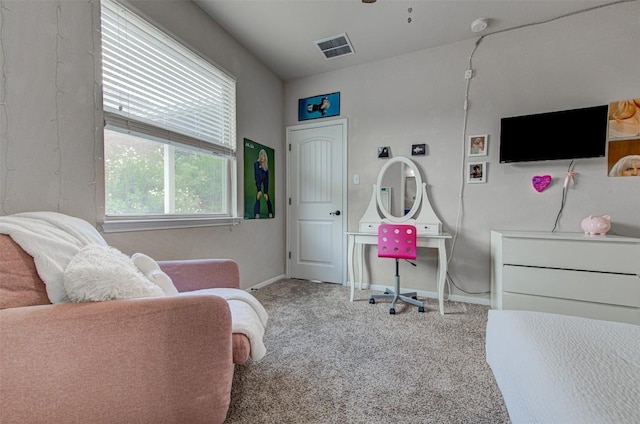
{"type": "Point", "coordinates": [400, 196]}
{"type": "Point", "coordinates": [392, 179]}
{"type": "Point", "coordinates": [398, 187]}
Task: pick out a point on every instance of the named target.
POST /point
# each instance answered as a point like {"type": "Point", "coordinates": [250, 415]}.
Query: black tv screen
{"type": "Point", "coordinates": [567, 134]}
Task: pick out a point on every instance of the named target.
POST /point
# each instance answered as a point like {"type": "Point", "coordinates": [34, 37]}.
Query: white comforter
{"type": "Point", "coordinates": [564, 369]}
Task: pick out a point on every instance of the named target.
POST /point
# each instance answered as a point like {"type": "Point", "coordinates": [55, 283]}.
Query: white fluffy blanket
{"type": "Point", "coordinates": [248, 316]}
{"type": "Point", "coordinates": [53, 239]}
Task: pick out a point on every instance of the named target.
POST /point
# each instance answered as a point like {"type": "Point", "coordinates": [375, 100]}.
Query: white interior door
{"type": "Point", "coordinates": [316, 188]}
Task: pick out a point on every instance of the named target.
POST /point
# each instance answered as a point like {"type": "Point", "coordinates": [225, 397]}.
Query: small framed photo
{"type": "Point", "coordinates": [418, 149]}
{"type": "Point", "coordinates": [383, 152]}
{"type": "Point", "coordinates": [477, 172]}
{"type": "Point", "coordinates": [478, 145]}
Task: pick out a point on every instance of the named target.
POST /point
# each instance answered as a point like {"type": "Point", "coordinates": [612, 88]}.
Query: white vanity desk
{"type": "Point", "coordinates": [357, 240]}
{"type": "Point", "coordinates": [421, 214]}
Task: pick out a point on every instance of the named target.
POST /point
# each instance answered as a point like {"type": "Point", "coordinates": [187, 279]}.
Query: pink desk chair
{"type": "Point", "coordinates": [397, 241]}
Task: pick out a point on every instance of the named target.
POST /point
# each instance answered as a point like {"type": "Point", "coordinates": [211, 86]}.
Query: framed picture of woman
{"type": "Point", "coordinates": [478, 145]}
{"type": "Point", "coordinates": [624, 158]}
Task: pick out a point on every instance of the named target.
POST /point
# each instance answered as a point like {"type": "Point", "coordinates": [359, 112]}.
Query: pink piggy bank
{"type": "Point", "coordinates": [598, 225]}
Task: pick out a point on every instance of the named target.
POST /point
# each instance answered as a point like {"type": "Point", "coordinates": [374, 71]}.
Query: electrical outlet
{"type": "Point", "coordinates": [468, 74]}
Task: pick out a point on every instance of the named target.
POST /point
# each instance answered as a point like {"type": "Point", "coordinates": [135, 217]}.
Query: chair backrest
{"type": "Point", "coordinates": [397, 241]}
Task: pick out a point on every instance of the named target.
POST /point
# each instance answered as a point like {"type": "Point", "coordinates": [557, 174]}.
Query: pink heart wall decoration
{"type": "Point", "coordinates": [540, 182]}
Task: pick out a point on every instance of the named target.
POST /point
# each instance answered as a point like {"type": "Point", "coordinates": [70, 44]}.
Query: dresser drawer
{"type": "Point", "coordinates": [588, 254]}
{"type": "Point", "coordinates": [615, 289]}
{"type": "Point", "coordinates": [571, 307]}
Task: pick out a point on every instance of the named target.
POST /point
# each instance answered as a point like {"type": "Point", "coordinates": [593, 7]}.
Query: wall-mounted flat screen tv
{"type": "Point", "coordinates": [567, 134]}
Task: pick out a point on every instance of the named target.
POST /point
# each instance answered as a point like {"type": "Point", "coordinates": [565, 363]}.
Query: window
{"type": "Point", "coordinates": [169, 128]}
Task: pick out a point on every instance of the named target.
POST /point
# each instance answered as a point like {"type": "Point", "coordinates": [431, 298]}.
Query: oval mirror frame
{"type": "Point", "coordinates": [418, 199]}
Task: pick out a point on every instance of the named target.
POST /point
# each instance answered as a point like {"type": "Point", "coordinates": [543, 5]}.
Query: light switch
{"type": "Point", "coordinates": [356, 178]}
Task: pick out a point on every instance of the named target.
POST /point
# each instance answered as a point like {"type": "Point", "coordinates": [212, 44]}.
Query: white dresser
{"type": "Point", "coordinates": [566, 273]}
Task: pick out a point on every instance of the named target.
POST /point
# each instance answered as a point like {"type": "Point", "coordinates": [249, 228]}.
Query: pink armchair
{"type": "Point", "coordinates": [147, 360]}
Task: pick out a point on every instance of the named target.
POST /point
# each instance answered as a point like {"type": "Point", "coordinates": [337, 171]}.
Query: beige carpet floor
{"type": "Point", "coordinates": [333, 361]}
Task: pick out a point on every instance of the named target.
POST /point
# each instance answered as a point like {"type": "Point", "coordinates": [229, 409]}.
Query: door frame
{"type": "Point", "coordinates": [345, 179]}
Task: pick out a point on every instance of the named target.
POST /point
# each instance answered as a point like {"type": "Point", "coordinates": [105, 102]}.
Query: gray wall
{"type": "Point", "coordinates": [582, 60]}
{"type": "Point", "coordinates": [51, 137]}
{"type": "Point", "coordinates": [51, 134]}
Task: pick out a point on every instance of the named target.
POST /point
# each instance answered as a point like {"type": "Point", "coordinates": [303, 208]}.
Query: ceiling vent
{"type": "Point", "coordinates": [338, 45]}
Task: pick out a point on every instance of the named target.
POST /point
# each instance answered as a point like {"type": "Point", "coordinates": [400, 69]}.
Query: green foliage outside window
{"type": "Point", "coordinates": [135, 178]}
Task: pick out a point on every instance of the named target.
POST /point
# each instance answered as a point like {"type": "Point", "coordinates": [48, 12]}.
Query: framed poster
{"type": "Point", "coordinates": [259, 181]}
{"type": "Point", "coordinates": [322, 106]}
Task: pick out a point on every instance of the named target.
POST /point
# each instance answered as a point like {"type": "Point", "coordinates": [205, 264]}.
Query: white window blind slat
{"type": "Point", "coordinates": [193, 87]}
{"type": "Point", "coordinates": [200, 126]}
{"type": "Point", "coordinates": [151, 79]}
{"type": "Point", "coordinates": [117, 122]}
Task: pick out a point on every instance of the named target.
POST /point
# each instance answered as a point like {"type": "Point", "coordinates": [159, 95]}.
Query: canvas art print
{"type": "Point", "coordinates": [259, 181]}
{"type": "Point", "coordinates": [623, 154]}
{"type": "Point", "coordinates": [623, 158]}
{"type": "Point", "coordinates": [322, 106]}
{"type": "Point", "coordinates": [624, 119]}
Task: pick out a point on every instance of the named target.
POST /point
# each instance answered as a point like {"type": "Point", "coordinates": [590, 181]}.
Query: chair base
{"type": "Point", "coordinates": [409, 297]}
{"type": "Point", "coordinates": [395, 295]}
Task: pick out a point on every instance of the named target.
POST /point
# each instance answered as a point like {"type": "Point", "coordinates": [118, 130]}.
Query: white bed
{"type": "Point", "coordinates": [563, 369]}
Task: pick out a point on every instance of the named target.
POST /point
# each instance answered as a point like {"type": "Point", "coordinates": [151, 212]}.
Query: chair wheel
{"type": "Point", "coordinates": [392, 311]}
{"type": "Point", "coordinates": [372, 301]}
{"type": "Point", "coordinates": [420, 309]}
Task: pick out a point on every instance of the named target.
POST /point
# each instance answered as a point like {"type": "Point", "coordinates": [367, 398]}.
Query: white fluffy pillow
{"type": "Point", "coordinates": [149, 267]}
{"type": "Point", "coordinates": [98, 273]}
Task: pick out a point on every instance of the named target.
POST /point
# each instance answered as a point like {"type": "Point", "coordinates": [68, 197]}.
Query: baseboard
{"type": "Point", "coordinates": [375, 287]}
{"type": "Point", "coordinates": [267, 282]}
{"type": "Point", "coordinates": [429, 294]}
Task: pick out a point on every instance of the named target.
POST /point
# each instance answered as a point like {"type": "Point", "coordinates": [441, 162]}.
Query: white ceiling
{"type": "Point", "coordinates": [281, 33]}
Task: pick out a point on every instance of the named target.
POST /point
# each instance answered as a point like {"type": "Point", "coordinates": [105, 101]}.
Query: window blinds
{"type": "Point", "coordinates": [155, 86]}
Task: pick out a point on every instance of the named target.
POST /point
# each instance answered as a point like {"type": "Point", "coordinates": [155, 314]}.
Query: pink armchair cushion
{"type": "Point", "coordinates": [17, 267]}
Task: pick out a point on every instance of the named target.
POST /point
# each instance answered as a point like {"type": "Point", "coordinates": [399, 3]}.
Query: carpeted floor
{"type": "Point", "coordinates": [332, 361]}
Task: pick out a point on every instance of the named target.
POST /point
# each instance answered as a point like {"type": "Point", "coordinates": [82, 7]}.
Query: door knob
{"type": "Point", "coordinates": [336, 213]}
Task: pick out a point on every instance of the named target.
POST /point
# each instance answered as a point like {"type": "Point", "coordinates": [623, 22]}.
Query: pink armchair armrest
{"type": "Point", "coordinates": [152, 360]}
{"type": "Point", "coordinates": [196, 274]}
